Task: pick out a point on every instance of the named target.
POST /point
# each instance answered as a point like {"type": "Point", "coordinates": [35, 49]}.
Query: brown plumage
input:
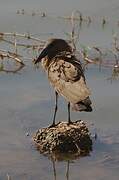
{"type": "Point", "coordinates": [66, 75]}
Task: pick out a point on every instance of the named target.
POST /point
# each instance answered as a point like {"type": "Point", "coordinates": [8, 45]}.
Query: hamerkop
{"type": "Point", "coordinates": [66, 75]}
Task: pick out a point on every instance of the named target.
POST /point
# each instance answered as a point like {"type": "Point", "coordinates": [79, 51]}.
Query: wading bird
{"type": "Point", "coordinates": [66, 75]}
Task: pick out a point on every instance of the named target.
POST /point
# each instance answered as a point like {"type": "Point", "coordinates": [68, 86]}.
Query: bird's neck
{"type": "Point", "coordinates": [45, 63]}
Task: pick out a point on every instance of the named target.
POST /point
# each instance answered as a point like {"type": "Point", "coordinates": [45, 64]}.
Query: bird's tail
{"type": "Point", "coordinates": [84, 105]}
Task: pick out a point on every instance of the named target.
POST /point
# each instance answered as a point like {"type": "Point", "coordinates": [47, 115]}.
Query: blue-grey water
{"type": "Point", "coordinates": [27, 99]}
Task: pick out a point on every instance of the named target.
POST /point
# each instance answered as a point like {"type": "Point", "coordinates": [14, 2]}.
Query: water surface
{"type": "Point", "coordinates": [26, 98]}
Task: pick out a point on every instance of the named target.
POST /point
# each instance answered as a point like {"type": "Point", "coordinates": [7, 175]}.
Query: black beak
{"type": "Point", "coordinates": [42, 55]}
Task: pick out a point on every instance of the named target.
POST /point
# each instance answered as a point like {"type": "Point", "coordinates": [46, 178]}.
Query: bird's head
{"type": "Point", "coordinates": [52, 48]}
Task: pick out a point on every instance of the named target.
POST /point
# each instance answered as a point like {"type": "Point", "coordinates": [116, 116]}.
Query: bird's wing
{"type": "Point", "coordinates": [68, 80]}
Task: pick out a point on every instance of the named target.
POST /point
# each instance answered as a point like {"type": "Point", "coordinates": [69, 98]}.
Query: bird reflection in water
{"type": "Point", "coordinates": [68, 159]}
{"type": "Point", "coordinates": [55, 171]}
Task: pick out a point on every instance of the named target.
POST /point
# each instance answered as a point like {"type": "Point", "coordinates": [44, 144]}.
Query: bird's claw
{"type": "Point", "coordinates": [52, 125]}
{"type": "Point", "coordinates": [69, 123]}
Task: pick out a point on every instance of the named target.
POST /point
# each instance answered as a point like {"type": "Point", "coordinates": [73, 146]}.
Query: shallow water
{"type": "Point", "coordinates": [26, 98]}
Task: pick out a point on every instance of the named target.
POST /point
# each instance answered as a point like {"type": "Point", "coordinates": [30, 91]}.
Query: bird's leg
{"type": "Point", "coordinates": [69, 118]}
{"type": "Point", "coordinates": [56, 107]}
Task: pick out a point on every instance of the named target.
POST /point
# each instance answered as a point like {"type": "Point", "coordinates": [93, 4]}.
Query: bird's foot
{"type": "Point", "coordinates": [69, 123]}
{"type": "Point", "coordinates": [52, 125]}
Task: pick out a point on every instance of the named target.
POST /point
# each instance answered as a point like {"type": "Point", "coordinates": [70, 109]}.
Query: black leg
{"type": "Point", "coordinates": [54, 168]}
{"type": "Point", "coordinates": [69, 118]}
{"type": "Point", "coordinates": [67, 171]}
{"type": "Point", "coordinates": [56, 107]}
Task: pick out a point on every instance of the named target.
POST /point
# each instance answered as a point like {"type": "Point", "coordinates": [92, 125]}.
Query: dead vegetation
{"type": "Point", "coordinates": [25, 46]}
{"type": "Point", "coordinates": [22, 47]}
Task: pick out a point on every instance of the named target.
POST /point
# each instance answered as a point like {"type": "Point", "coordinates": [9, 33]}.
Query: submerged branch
{"type": "Point", "coordinates": [16, 70]}
{"type": "Point", "coordinates": [11, 55]}
{"type": "Point", "coordinates": [28, 46]}
{"type": "Point", "coordinates": [27, 36]}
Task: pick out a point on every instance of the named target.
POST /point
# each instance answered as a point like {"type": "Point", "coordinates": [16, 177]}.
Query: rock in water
{"type": "Point", "coordinates": [64, 138]}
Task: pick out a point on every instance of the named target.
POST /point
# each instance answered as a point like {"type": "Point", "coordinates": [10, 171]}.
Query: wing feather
{"type": "Point", "coordinates": [68, 80]}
